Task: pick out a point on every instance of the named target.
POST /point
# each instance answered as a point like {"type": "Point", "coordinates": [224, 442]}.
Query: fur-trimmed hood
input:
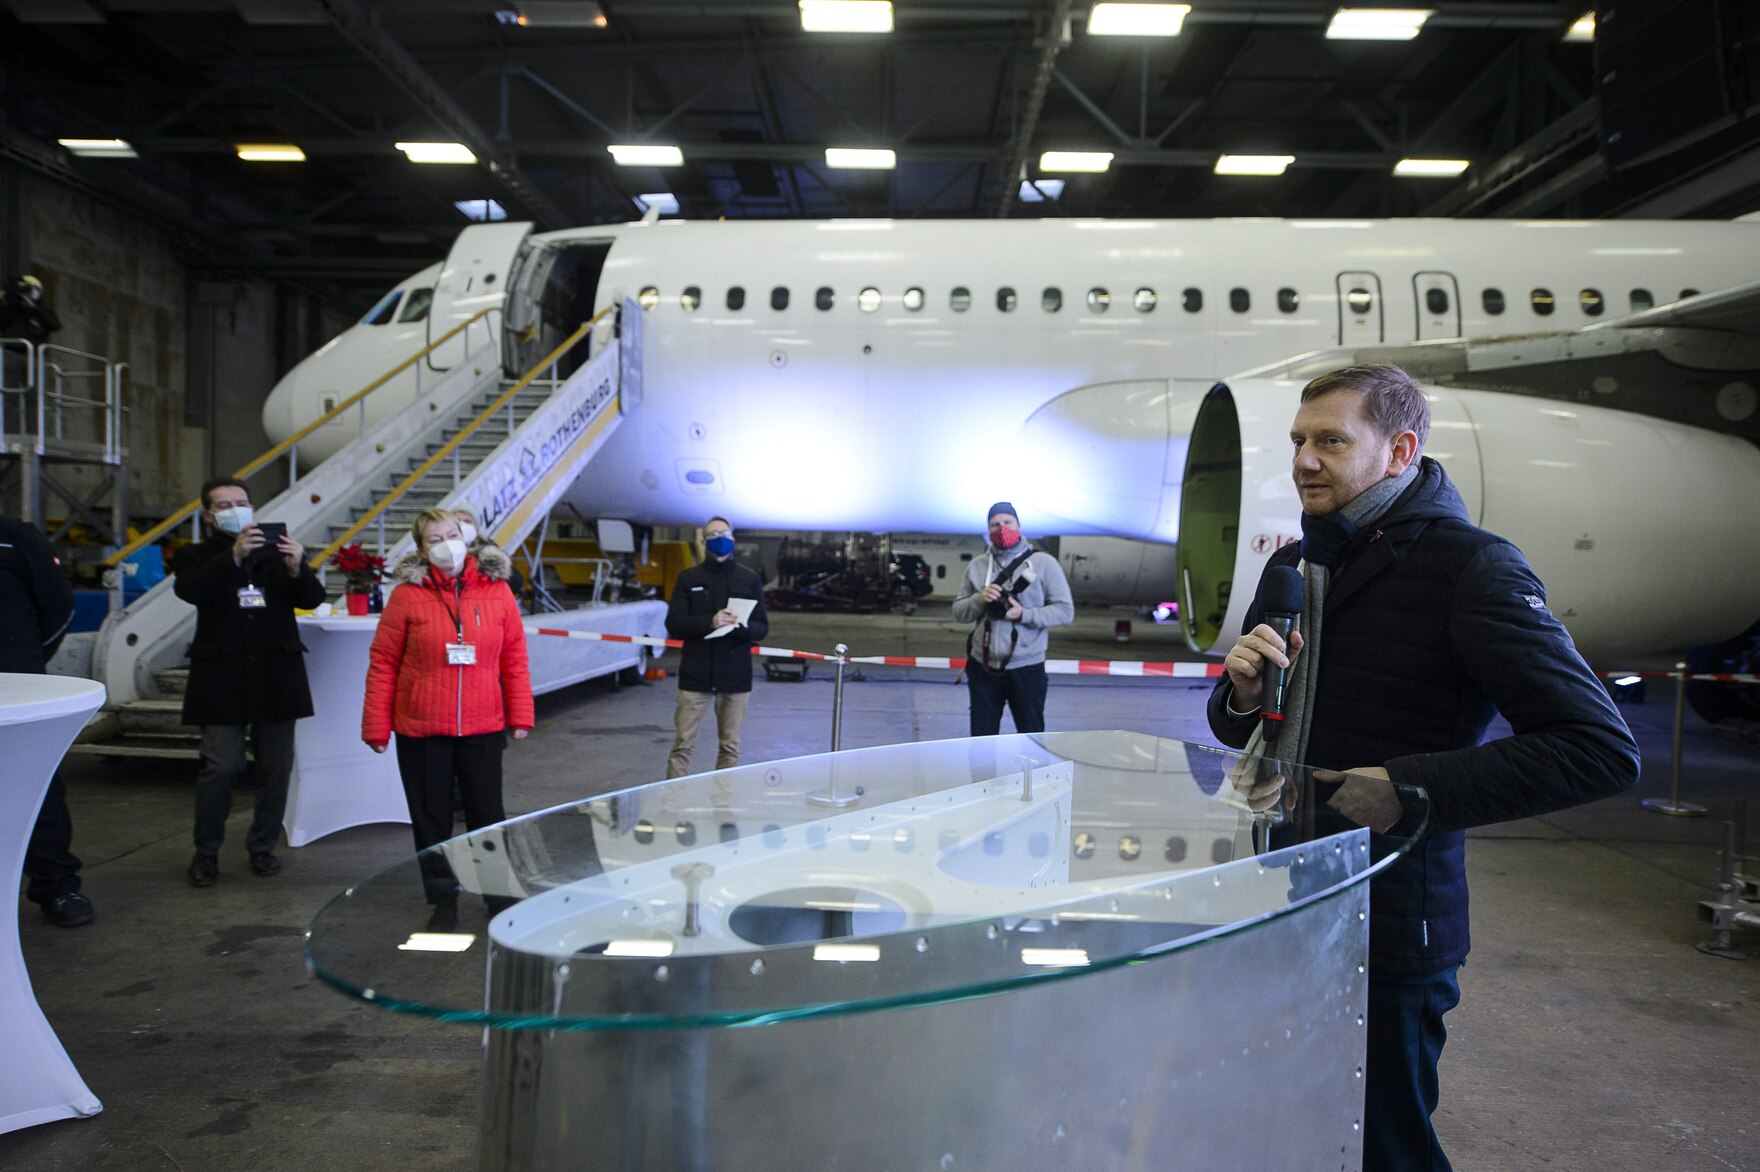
{"type": "Point", "coordinates": [492, 563]}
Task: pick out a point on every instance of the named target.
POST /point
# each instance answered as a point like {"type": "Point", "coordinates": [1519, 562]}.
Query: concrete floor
{"type": "Point", "coordinates": [1591, 1034]}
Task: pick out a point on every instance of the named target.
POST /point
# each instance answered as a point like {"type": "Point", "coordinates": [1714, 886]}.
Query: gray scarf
{"type": "Point", "coordinates": [1370, 506]}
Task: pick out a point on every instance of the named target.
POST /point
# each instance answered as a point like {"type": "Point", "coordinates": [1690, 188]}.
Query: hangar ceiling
{"type": "Point", "coordinates": [1650, 119]}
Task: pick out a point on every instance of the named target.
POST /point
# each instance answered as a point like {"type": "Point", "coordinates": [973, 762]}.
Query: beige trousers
{"type": "Point", "coordinates": [730, 716]}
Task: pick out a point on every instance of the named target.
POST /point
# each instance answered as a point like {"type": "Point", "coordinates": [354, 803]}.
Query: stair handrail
{"type": "Point", "coordinates": [450, 445]}
{"type": "Point", "coordinates": [292, 441]}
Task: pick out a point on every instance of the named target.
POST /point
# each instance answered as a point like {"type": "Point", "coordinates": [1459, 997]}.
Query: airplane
{"type": "Point", "coordinates": [901, 375]}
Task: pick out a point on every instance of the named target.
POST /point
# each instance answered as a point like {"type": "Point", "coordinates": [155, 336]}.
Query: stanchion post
{"type": "Point", "coordinates": [830, 797]}
{"type": "Point", "coordinates": [1674, 805]}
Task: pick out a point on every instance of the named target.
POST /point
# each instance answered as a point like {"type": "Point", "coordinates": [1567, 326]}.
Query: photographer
{"type": "Point", "coordinates": [247, 670]}
{"type": "Point", "coordinates": [1014, 594]}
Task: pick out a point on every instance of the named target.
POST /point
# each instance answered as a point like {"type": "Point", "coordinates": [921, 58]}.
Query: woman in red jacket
{"type": "Point", "coordinates": [447, 674]}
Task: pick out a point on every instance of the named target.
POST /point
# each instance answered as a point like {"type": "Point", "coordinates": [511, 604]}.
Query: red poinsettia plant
{"type": "Point", "coordinates": [363, 569]}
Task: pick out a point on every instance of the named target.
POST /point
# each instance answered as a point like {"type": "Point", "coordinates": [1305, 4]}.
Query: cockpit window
{"type": "Point", "coordinates": [381, 313]}
{"type": "Point", "coordinates": [415, 306]}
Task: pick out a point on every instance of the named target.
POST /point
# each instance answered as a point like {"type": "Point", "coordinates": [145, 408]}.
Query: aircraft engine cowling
{"type": "Point", "coordinates": [1643, 530]}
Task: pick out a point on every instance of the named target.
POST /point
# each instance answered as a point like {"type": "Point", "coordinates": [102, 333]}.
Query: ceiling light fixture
{"type": "Point", "coordinates": [1137, 20]}
{"type": "Point", "coordinates": [646, 155]}
{"type": "Point", "coordinates": [1253, 164]}
{"type": "Point", "coordinates": [455, 153]}
{"type": "Point", "coordinates": [1377, 24]}
{"type": "Point", "coordinates": [1582, 30]}
{"type": "Point", "coordinates": [1430, 168]}
{"type": "Point", "coordinates": [99, 148]}
{"type": "Point", "coordinates": [665, 203]}
{"type": "Point", "coordinates": [483, 211]}
{"type": "Point", "coordinates": [1090, 161]}
{"type": "Point", "coordinates": [860, 158]}
{"type": "Point", "coordinates": [553, 14]}
{"type": "Point", "coordinates": [846, 16]}
{"type": "Point", "coordinates": [1040, 190]}
{"type": "Point", "coordinates": [269, 152]}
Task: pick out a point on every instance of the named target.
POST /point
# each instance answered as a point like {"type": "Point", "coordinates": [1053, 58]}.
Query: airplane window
{"type": "Point", "coordinates": [649, 297]}
{"type": "Point", "coordinates": [381, 313]}
{"type": "Point", "coordinates": [1592, 302]}
{"type": "Point", "coordinates": [868, 300]}
{"type": "Point", "coordinates": [1541, 300]}
{"type": "Point", "coordinates": [1099, 301]}
{"type": "Point", "coordinates": [1642, 300]}
{"type": "Point", "coordinates": [1686, 293]}
{"type": "Point", "coordinates": [941, 571]}
{"type": "Point", "coordinates": [913, 299]}
{"type": "Point", "coordinates": [415, 306]}
{"type": "Point", "coordinates": [824, 299]}
{"type": "Point", "coordinates": [1359, 301]}
{"type": "Point", "coordinates": [1239, 300]}
{"type": "Point", "coordinates": [1436, 300]}
{"type": "Point", "coordinates": [736, 297]}
{"type": "Point", "coordinates": [779, 297]}
{"type": "Point", "coordinates": [1492, 300]}
{"type": "Point", "coordinates": [1287, 301]}
{"type": "Point", "coordinates": [1005, 300]}
{"type": "Point", "coordinates": [690, 298]}
{"type": "Point", "coordinates": [960, 299]}
{"type": "Point", "coordinates": [1051, 300]}
{"type": "Point", "coordinates": [1144, 301]}
{"type": "Point", "coordinates": [1192, 300]}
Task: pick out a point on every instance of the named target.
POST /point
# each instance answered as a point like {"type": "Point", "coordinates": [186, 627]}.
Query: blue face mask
{"type": "Point", "coordinates": [720, 545]}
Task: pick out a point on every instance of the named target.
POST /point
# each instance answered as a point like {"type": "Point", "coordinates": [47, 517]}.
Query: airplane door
{"type": "Point", "coordinates": [1439, 305]}
{"type": "Point", "coordinates": [475, 277]}
{"type": "Point", "coordinates": [1361, 317]}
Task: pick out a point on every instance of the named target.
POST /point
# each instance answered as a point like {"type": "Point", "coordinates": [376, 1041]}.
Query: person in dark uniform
{"type": "Point", "coordinates": [247, 670]}
{"type": "Point", "coordinates": [36, 605]}
{"type": "Point", "coordinates": [717, 668]}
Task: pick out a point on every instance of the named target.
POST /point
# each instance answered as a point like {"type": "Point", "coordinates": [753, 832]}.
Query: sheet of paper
{"type": "Point", "coordinates": [742, 607]}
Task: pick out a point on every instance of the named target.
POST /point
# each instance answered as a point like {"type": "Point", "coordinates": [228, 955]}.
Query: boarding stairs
{"type": "Point", "coordinates": [468, 438]}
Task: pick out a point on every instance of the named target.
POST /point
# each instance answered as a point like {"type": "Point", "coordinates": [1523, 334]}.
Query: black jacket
{"type": "Point", "coordinates": [246, 664]}
{"type": "Point", "coordinates": [36, 600]}
{"type": "Point", "coordinates": [724, 664]}
{"type": "Point", "coordinates": [22, 318]}
{"type": "Point", "coordinates": [1433, 626]}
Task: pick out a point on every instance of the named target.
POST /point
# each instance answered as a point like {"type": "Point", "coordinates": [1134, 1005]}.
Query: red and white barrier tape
{"type": "Point", "coordinates": [1068, 667]}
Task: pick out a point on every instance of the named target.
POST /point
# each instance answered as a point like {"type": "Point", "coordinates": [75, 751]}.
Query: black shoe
{"type": "Point", "coordinates": [444, 918]}
{"type": "Point", "coordinates": [203, 870]}
{"type": "Point", "coordinates": [70, 911]}
{"type": "Point", "coordinates": [265, 864]}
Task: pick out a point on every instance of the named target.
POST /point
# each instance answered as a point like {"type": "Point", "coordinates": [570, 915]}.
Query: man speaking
{"type": "Point", "coordinates": [1415, 628]}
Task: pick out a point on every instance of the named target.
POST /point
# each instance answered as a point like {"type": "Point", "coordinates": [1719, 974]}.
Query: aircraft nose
{"type": "Point", "coordinates": [278, 420]}
{"type": "Point", "coordinates": [1097, 459]}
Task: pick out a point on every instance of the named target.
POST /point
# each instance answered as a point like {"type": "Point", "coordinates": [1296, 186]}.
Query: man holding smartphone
{"type": "Point", "coordinates": [247, 671]}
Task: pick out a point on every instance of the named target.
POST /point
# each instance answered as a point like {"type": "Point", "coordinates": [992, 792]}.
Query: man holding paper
{"type": "Point", "coordinates": [717, 608]}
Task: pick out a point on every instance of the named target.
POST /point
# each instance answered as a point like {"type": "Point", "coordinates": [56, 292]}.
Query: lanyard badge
{"type": "Point", "coordinates": [250, 598]}
{"type": "Point", "coordinates": [460, 654]}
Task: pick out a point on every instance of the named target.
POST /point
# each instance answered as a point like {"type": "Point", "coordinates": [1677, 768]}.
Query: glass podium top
{"type": "Point", "coordinates": [853, 881]}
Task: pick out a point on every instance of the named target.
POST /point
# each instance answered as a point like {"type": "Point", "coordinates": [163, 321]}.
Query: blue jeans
{"type": "Point", "coordinates": [1022, 688]}
{"type": "Point", "coordinates": [1406, 1036]}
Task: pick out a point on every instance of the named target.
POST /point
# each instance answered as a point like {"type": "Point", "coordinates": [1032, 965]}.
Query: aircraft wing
{"type": "Point", "coordinates": [1734, 310]}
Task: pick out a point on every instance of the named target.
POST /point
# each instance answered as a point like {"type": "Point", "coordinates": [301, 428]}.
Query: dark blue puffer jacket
{"type": "Point", "coordinates": [1432, 627]}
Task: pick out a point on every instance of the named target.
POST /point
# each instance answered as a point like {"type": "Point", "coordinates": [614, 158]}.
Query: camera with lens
{"type": "Point", "coordinates": [998, 608]}
{"type": "Point", "coordinates": [1020, 580]}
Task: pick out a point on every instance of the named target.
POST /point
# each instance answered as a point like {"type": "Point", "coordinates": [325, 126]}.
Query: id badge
{"type": "Point", "coordinates": [460, 655]}
{"type": "Point", "coordinates": [250, 598]}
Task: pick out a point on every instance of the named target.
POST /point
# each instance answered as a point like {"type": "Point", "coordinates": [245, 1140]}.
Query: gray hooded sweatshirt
{"type": "Point", "coordinates": [1045, 603]}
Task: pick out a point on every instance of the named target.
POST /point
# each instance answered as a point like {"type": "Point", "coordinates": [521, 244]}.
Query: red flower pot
{"type": "Point", "coordinates": [357, 603]}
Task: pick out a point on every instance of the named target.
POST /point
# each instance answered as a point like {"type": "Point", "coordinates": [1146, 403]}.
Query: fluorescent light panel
{"type": "Point", "coordinates": [860, 159]}
{"type": "Point", "coordinates": [1040, 190]}
{"type": "Point", "coordinates": [1091, 161]}
{"type": "Point", "coordinates": [1253, 164]}
{"type": "Point", "coordinates": [1377, 24]}
{"type": "Point", "coordinates": [646, 155]}
{"type": "Point", "coordinates": [437, 152]}
{"type": "Point", "coordinates": [99, 148]}
{"type": "Point", "coordinates": [846, 952]}
{"type": "Point", "coordinates": [1582, 30]}
{"type": "Point", "coordinates": [269, 152]}
{"type": "Point", "coordinates": [483, 211]}
{"type": "Point", "coordinates": [1137, 20]}
{"type": "Point", "coordinates": [663, 200]}
{"type": "Point", "coordinates": [846, 16]}
{"type": "Point", "coordinates": [1430, 168]}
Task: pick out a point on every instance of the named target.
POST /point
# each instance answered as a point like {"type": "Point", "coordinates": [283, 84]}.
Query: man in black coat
{"type": "Point", "coordinates": [1416, 629]}
{"type": "Point", "coordinates": [714, 666]}
{"type": "Point", "coordinates": [36, 605]}
{"type": "Point", "coordinates": [247, 670]}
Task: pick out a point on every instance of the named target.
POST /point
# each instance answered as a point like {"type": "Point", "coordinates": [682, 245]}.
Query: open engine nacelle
{"type": "Point", "coordinates": [1644, 531]}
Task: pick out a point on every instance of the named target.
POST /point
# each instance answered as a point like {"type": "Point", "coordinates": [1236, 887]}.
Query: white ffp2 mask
{"type": "Point", "coordinates": [234, 520]}
{"type": "Point", "coordinates": [448, 555]}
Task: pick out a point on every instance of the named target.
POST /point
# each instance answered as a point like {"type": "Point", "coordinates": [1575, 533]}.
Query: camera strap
{"type": "Point", "coordinates": [984, 629]}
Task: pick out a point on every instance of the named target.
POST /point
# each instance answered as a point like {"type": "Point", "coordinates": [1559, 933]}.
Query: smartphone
{"type": "Point", "coordinates": [273, 532]}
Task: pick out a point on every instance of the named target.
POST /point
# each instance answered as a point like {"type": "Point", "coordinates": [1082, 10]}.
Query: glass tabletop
{"type": "Point", "coordinates": [853, 881]}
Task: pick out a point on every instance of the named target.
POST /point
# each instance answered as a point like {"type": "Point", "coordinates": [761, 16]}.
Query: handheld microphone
{"type": "Point", "coordinates": [1281, 596]}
